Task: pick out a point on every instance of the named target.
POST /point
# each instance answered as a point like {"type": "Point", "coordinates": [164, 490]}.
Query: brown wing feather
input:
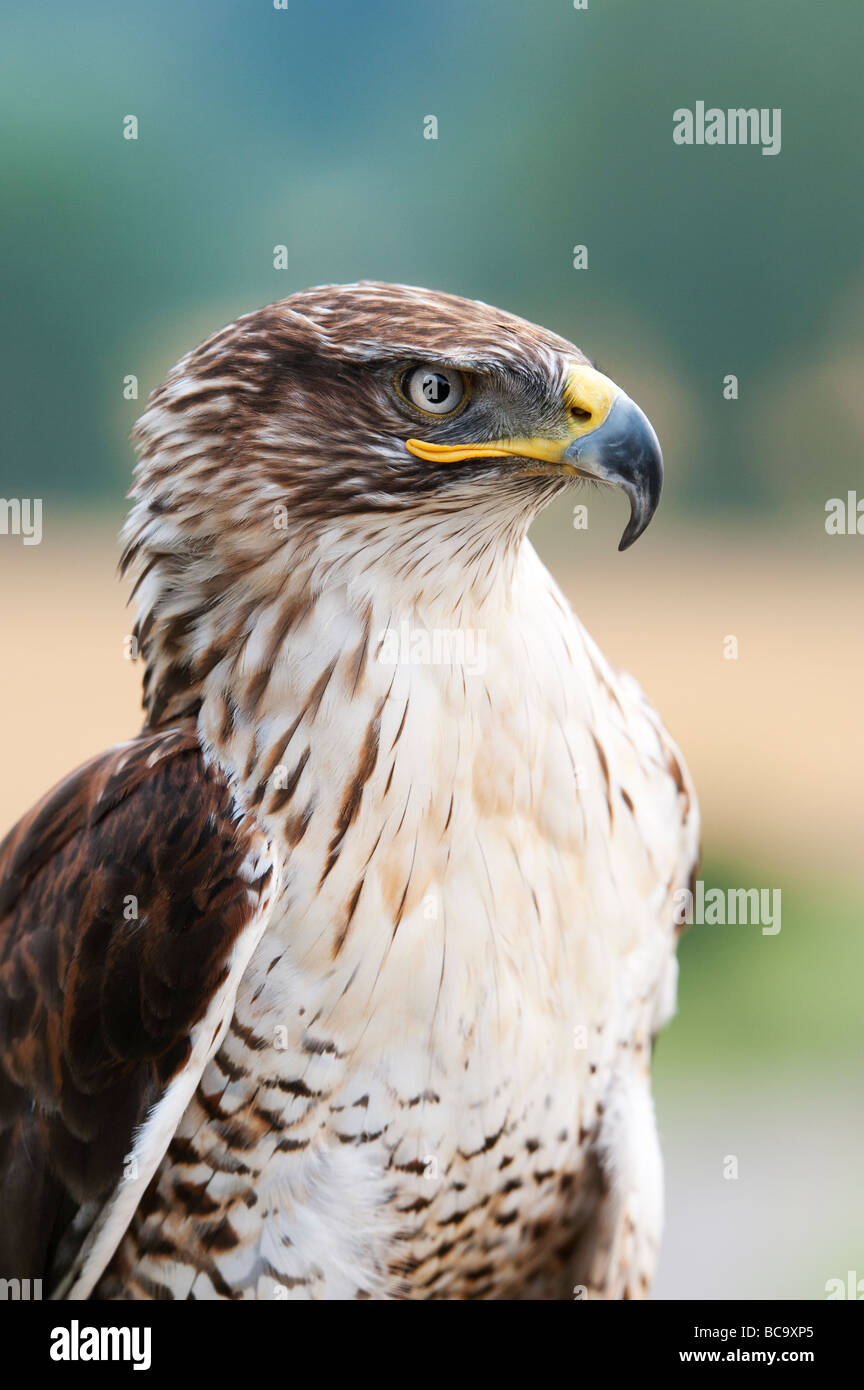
{"type": "Point", "coordinates": [96, 1004]}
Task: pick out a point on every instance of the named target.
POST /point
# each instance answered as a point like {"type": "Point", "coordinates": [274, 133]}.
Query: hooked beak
{"type": "Point", "coordinates": [607, 438]}
{"type": "Point", "coordinates": [625, 451]}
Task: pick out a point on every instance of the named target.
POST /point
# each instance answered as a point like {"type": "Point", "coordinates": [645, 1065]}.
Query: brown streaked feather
{"type": "Point", "coordinates": [96, 1010]}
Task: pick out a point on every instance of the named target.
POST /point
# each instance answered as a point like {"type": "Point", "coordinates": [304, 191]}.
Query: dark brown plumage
{"type": "Point", "coordinates": [97, 1007]}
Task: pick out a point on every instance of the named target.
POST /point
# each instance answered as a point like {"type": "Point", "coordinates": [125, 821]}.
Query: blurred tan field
{"type": "Point", "coordinates": [773, 738]}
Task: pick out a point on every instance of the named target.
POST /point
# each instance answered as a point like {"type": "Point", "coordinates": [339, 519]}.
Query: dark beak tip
{"type": "Point", "coordinates": [632, 531]}
{"type": "Point", "coordinates": [644, 502]}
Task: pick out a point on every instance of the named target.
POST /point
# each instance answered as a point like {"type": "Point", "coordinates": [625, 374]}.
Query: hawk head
{"type": "Point", "coordinates": [364, 419]}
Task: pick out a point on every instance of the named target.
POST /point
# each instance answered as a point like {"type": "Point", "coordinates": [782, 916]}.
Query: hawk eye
{"type": "Point", "coordinates": [434, 390]}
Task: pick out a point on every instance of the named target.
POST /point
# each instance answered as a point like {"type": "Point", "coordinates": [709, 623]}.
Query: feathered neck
{"type": "Point", "coordinates": [220, 589]}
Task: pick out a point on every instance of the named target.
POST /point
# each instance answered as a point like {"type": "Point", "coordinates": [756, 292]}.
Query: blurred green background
{"type": "Point", "coordinates": [304, 127]}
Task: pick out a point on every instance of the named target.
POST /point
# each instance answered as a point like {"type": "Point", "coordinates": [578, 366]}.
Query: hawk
{"type": "Point", "coordinates": [340, 979]}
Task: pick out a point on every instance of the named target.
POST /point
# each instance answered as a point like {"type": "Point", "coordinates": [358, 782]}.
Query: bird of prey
{"type": "Point", "coordinates": [340, 979]}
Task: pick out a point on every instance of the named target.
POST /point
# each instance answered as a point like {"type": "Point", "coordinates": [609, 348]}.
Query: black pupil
{"type": "Point", "coordinates": [436, 388]}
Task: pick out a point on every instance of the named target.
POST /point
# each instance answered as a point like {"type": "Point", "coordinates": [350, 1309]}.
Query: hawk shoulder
{"type": "Point", "coordinates": [130, 899]}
